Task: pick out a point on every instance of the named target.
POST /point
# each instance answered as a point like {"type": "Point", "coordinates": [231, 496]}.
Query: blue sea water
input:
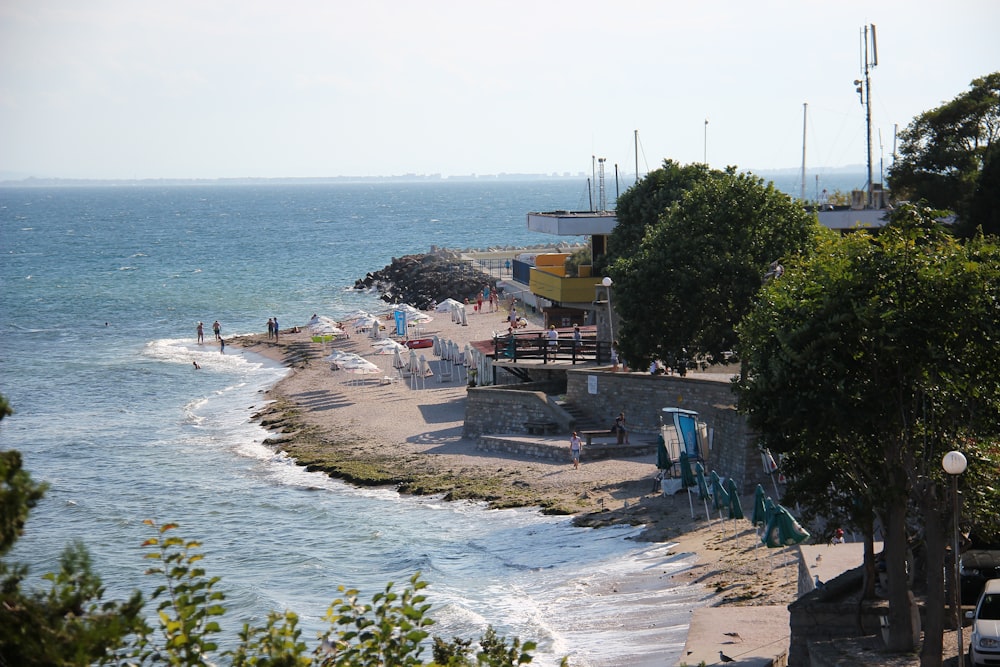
{"type": "Point", "coordinates": [100, 291]}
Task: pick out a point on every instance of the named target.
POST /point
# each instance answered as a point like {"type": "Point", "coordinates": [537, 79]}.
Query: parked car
{"type": "Point", "coordinates": [976, 567]}
{"type": "Point", "coordinates": [984, 647]}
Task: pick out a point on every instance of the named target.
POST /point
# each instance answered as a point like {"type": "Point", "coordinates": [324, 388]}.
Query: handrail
{"type": "Point", "coordinates": [536, 345]}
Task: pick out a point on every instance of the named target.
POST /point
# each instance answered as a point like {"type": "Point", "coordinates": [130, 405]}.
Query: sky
{"type": "Point", "coordinates": [123, 89]}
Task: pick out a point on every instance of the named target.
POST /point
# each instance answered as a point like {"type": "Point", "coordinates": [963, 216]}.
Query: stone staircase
{"type": "Point", "coordinates": [583, 421]}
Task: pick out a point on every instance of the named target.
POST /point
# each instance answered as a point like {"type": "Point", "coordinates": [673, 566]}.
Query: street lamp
{"type": "Point", "coordinates": [954, 464]}
{"type": "Point", "coordinates": [607, 282]}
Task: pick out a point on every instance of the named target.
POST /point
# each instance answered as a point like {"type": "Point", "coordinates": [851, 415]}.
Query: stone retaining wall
{"type": "Point", "coordinates": [506, 409]}
{"type": "Point", "coordinates": [603, 394]}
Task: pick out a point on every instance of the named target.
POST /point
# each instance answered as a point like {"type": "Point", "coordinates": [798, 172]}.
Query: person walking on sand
{"type": "Point", "coordinates": [217, 328]}
{"type": "Point", "coordinates": [621, 429]}
{"type": "Point", "coordinates": [201, 333]}
{"type": "Point", "coordinates": [575, 447]}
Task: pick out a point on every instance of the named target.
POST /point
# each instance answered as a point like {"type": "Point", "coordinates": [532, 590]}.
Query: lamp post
{"type": "Point", "coordinates": [954, 464]}
{"type": "Point", "coordinates": [607, 282]}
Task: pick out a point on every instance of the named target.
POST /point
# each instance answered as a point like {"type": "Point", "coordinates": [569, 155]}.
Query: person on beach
{"type": "Point", "coordinates": [275, 320]}
{"type": "Point", "coordinates": [222, 345]}
{"type": "Point", "coordinates": [575, 446]}
{"type": "Point", "coordinates": [621, 429]}
{"type": "Point", "coordinates": [217, 328]}
{"type": "Point", "coordinates": [553, 337]}
{"type": "Point", "coordinates": [479, 303]}
{"type": "Point", "coordinates": [506, 266]}
{"type": "Point", "coordinates": [577, 337]}
{"type": "Point", "coordinates": [270, 328]}
{"type": "Point", "coordinates": [201, 333]}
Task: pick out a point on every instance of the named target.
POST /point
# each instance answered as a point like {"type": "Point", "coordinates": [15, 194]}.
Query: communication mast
{"type": "Point", "coordinates": [863, 87]}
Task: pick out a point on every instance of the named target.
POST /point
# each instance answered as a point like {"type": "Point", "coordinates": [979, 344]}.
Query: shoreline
{"type": "Point", "coordinates": [382, 434]}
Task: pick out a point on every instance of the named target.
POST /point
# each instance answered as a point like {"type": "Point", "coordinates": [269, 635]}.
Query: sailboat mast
{"type": "Point", "coordinates": [636, 139]}
{"type": "Point", "coordinates": [802, 195]}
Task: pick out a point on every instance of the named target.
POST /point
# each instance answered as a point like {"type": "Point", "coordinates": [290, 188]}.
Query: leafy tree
{"type": "Point", "coordinates": [942, 151]}
{"type": "Point", "coordinates": [694, 274]}
{"type": "Point", "coordinates": [984, 206]}
{"type": "Point", "coordinates": [866, 363]}
{"type": "Point", "coordinates": [639, 208]}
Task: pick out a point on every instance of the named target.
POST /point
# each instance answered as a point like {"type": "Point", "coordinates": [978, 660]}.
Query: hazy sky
{"type": "Point", "coordinates": [205, 89]}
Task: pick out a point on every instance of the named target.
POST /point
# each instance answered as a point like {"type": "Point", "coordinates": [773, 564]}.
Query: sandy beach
{"type": "Point", "coordinates": [369, 430]}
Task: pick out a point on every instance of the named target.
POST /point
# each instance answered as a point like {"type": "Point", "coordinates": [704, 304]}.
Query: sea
{"type": "Point", "coordinates": [101, 287]}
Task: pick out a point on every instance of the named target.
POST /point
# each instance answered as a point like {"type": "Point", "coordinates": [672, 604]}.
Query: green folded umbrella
{"type": "Point", "coordinates": [687, 477]}
{"type": "Point", "coordinates": [720, 498]}
{"type": "Point", "coordinates": [699, 473]}
{"type": "Point", "coordinates": [663, 461]}
{"type": "Point", "coordinates": [759, 516]}
{"type": "Point", "coordinates": [735, 507]}
{"type": "Point", "coordinates": [783, 530]}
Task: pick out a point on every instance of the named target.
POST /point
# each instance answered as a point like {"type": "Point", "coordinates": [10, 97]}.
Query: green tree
{"type": "Point", "coordinates": [867, 362]}
{"type": "Point", "coordinates": [984, 206]}
{"type": "Point", "coordinates": [639, 208]}
{"type": "Point", "coordinates": [942, 151]}
{"type": "Point", "coordinates": [694, 273]}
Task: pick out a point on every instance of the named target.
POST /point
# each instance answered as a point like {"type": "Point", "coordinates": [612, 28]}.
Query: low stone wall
{"type": "Point", "coordinates": [603, 394]}
{"type": "Point", "coordinates": [507, 408]}
{"type": "Point", "coordinates": [559, 451]}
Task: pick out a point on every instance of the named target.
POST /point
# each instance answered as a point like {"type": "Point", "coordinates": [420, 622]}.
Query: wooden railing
{"type": "Point", "coordinates": [512, 347]}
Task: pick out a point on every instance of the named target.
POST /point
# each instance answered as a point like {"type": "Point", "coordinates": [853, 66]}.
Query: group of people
{"type": "Point", "coordinates": [620, 428]}
{"type": "Point", "coordinates": [272, 328]}
{"type": "Point", "coordinates": [217, 329]}
{"type": "Point", "coordinates": [489, 296]}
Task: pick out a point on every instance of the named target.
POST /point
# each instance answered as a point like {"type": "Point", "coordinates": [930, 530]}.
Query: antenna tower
{"type": "Point", "coordinates": [864, 89]}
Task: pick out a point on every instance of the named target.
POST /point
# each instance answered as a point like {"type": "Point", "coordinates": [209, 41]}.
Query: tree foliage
{"type": "Point", "coordinates": [694, 273]}
{"type": "Point", "coordinates": [942, 151]}
{"type": "Point", "coordinates": [867, 361]}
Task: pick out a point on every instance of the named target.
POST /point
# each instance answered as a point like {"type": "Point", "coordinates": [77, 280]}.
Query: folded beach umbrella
{"type": "Point", "coordinates": [783, 530]}
{"type": "Point", "coordinates": [687, 477]}
{"type": "Point", "coordinates": [397, 359]}
{"type": "Point", "coordinates": [735, 506]}
{"type": "Point", "coordinates": [437, 346]}
{"type": "Point", "coordinates": [663, 461]}
{"type": "Point", "coordinates": [699, 473]}
{"type": "Point", "coordinates": [758, 518]}
{"type": "Point", "coordinates": [720, 497]}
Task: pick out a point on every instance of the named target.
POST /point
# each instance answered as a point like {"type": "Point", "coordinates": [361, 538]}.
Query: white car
{"type": "Point", "coordinates": [984, 649]}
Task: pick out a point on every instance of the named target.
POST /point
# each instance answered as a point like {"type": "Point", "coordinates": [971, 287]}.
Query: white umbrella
{"type": "Point", "coordinates": [320, 324]}
{"type": "Point", "coordinates": [387, 346]}
{"type": "Point", "coordinates": [356, 315]}
{"type": "Point", "coordinates": [414, 365]}
{"type": "Point", "coordinates": [446, 305]}
{"type": "Point", "coordinates": [397, 361]}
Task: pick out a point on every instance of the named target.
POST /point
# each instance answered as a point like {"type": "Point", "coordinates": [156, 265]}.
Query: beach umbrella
{"type": "Point", "coordinates": [759, 517]}
{"type": "Point", "coordinates": [447, 305]}
{"type": "Point", "coordinates": [720, 497]}
{"type": "Point", "coordinates": [735, 506]}
{"type": "Point", "coordinates": [663, 461]}
{"type": "Point", "coordinates": [699, 473]}
{"type": "Point", "coordinates": [783, 530]}
{"type": "Point", "coordinates": [397, 359]}
{"type": "Point", "coordinates": [437, 347]}
{"type": "Point", "coordinates": [687, 478]}
{"type": "Point", "coordinates": [770, 467]}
